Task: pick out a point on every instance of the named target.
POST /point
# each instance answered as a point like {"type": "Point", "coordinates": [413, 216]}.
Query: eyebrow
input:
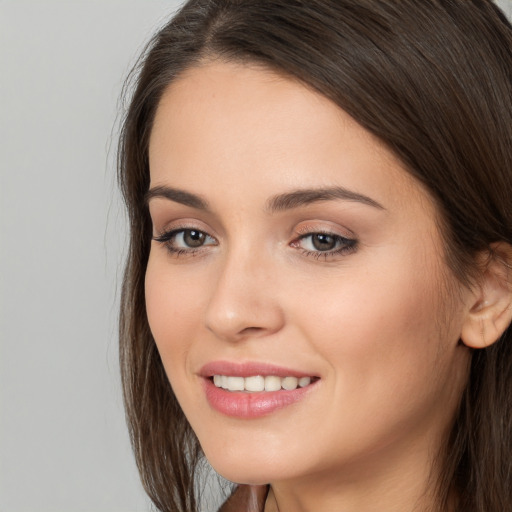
{"type": "Point", "coordinates": [178, 196]}
{"type": "Point", "coordinates": [281, 202]}
{"type": "Point", "coordinates": [304, 197]}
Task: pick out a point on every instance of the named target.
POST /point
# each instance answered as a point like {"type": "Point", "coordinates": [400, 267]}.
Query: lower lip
{"type": "Point", "coordinates": [251, 405]}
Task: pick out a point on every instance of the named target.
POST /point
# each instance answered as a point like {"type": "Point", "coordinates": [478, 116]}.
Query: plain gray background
{"type": "Point", "coordinates": [63, 441]}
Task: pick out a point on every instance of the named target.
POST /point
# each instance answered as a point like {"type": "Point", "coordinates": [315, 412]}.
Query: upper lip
{"type": "Point", "coordinates": [249, 369]}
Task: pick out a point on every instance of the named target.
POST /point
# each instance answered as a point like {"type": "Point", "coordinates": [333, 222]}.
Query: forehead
{"type": "Point", "coordinates": [223, 95]}
{"type": "Point", "coordinates": [243, 123]}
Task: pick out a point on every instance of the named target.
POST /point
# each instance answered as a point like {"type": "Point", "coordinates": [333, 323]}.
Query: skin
{"type": "Point", "coordinates": [379, 323]}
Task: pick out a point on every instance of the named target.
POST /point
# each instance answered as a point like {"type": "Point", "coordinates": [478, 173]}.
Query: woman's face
{"type": "Point", "coordinates": [292, 250]}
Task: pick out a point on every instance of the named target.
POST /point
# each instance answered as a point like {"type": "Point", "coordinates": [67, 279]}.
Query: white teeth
{"type": "Point", "coordinates": [304, 381]}
{"type": "Point", "coordinates": [289, 383]}
{"type": "Point", "coordinates": [259, 383]}
{"type": "Point", "coordinates": [272, 383]}
{"type": "Point", "coordinates": [255, 383]}
{"type": "Point", "coordinates": [236, 383]}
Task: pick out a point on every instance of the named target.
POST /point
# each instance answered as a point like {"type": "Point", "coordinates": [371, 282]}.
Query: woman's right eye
{"type": "Point", "coordinates": [185, 241]}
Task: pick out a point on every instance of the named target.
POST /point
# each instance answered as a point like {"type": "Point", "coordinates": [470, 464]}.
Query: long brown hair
{"type": "Point", "coordinates": [433, 80]}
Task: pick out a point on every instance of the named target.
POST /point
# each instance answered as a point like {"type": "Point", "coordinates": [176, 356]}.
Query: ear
{"type": "Point", "coordinates": [490, 310]}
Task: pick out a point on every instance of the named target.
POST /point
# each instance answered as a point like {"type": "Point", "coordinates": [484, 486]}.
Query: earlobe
{"type": "Point", "coordinates": [490, 312]}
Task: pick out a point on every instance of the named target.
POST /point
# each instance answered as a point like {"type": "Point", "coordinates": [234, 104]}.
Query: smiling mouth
{"type": "Point", "coordinates": [259, 383]}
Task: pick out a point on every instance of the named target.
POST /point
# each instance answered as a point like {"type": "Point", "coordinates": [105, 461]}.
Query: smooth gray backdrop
{"type": "Point", "coordinates": [63, 441]}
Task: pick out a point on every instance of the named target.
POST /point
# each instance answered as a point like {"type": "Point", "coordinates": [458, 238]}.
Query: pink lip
{"type": "Point", "coordinates": [245, 405]}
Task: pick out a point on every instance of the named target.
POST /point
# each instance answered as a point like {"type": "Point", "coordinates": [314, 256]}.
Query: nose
{"type": "Point", "coordinates": [244, 302]}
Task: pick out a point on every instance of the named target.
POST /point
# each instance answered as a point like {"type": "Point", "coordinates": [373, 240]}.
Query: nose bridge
{"type": "Point", "coordinates": [243, 302]}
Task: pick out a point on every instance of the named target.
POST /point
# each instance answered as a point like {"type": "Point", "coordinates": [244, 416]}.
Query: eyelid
{"type": "Point", "coordinates": [171, 233]}
{"type": "Point", "coordinates": [324, 227]}
{"type": "Point", "coordinates": [168, 235]}
{"type": "Point", "coordinates": [167, 225]}
{"type": "Point", "coordinates": [345, 240]}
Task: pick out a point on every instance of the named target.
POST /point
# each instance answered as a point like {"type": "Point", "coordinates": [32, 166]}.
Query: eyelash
{"type": "Point", "coordinates": [168, 237]}
{"type": "Point", "coordinates": [345, 245]}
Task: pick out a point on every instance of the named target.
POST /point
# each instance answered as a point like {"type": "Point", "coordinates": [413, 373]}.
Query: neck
{"type": "Point", "coordinates": [391, 483]}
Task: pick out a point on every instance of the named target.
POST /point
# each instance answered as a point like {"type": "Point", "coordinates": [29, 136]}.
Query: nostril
{"type": "Point", "coordinates": [234, 314]}
{"type": "Point", "coordinates": [251, 330]}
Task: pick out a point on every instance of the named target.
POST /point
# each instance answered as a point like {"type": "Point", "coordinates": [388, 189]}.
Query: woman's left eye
{"type": "Point", "coordinates": [324, 244]}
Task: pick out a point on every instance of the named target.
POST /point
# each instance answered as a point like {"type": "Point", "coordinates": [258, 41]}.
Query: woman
{"type": "Point", "coordinates": [318, 290]}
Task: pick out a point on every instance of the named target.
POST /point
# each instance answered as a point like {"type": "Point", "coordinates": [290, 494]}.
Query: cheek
{"type": "Point", "coordinates": [381, 333]}
{"type": "Point", "coordinates": [173, 310]}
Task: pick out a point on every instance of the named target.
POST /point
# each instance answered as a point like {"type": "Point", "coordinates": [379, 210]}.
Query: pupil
{"type": "Point", "coordinates": [323, 242]}
{"type": "Point", "coordinates": [193, 238]}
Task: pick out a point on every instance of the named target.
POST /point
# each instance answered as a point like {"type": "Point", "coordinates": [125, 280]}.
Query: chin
{"type": "Point", "coordinates": [250, 470]}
